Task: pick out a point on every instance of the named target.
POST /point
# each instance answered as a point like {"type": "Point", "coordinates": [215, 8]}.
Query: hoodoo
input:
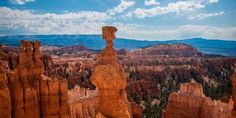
{"type": "Point", "coordinates": [5, 98]}
{"type": "Point", "coordinates": [190, 102]}
{"type": "Point", "coordinates": [234, 90]}
{"type": "Point", "coordinates": [110, 79]}
{"type": "Point", "coordinates": [25, 92]}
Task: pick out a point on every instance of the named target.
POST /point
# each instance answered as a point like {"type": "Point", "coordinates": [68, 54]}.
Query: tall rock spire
{"type": "Point", "coordinates": [1, 53]}
{"type": "Point", "coordinates": [190, 102]}
{"type": "Point", "coordinates": [234, 85]}
{"type": "Point", "coordinates": [5, 98]}
{"type": "Point", "coordinates": [110, 79]}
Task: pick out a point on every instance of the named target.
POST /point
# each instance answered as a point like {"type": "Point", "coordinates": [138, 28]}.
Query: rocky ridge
{"type": "Point", "coordinates": [190, 102]}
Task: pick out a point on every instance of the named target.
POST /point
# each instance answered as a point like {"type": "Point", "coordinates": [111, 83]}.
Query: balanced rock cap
{"type": "Point", "coordinates": [108, 33]}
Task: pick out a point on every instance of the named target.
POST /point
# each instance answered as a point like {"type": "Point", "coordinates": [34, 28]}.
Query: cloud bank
{"type": "Point", "coordinates": [205, 15]}
{"type": "Point", "coordinates": [15, 21]}
{"type": "Point", "coordinates": [124, 4]}
{"type": "Point", "coordinates": [20, 2]}
{"type": "Point", "coordinates": [176, 7]}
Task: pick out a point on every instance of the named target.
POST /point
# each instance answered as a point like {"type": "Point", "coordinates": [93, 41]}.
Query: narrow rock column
{"type": "Point", "coordinates": [234, 85]}
{"type": "Point", "coordinates": [110, 79]}
{"type": "Point", "coordinates": [5, 98]}
{"type": "Point", "coordinates": [1, 53]}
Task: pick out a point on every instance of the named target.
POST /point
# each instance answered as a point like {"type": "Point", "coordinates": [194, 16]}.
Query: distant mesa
{"type": "Point", "coordinates": [172, 50]}
{"type": "Point", "coordinates": [95, 42]}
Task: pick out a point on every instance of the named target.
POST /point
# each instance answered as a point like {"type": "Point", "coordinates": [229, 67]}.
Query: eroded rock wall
{"type": "Point", "coordinates": [32, 94]}
{"type": "Point", "coordinates": [82, 102]}
{"type": "Point", "coordinates": [234, 90]}
{"type": "Point", "coordinates": [190, 102]}
{"type": "Point", "coordinates": [5, 98]}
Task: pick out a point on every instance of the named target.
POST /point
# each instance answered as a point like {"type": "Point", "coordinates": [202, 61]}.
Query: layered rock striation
{"type": "Point", "coordinates": [32, 94]}
{"type": "Point", "coordinates": [190, 102]}
{"type": "Point", "coordinates": [82, 102]}
{"type": "Point", "coordinates": [5, 98]}
{"type": "Point", "coordinates": [142, 89]}
{"type": "Point", "coordinates": [110, 80]}
{"type": "Point", "coordinates": [234, 90]}
{"type": "Point", "coordinates": [234, 85]}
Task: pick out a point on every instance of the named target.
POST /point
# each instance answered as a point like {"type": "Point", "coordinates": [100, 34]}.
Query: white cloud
{"type": "Point", "coordinates": [124, 4]}
{"type": "Point", "coordinates": [21, 2]}
{"type": "Point", "coordinates": [213, 1]}
{"type": "Point", "coordinates": [90, 22]}
{"type": "Point", "coordinates": [177, 7]}
{"type": "Point", "coordinates": [176, 32]}
{"type": "Point", "coordinates": [151, 2]}
{"type": "Point", "coordinates": [170, 8]}
{"type": "Point", "coordinates": [49, 23]}
{"type": "Point", "coordinates": [206, 15]}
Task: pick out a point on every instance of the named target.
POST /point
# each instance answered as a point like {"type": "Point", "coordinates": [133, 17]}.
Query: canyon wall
{"type": "Point", "coordinates": [82, 102]}
{"type": "Point", "coordinates": [190, 102]}
{"type": "Point", "coordinates": [142, 89]}
{"type": "Point", "coordinates": [234, 90]}
{"type": "Point", "coordinates": [5, 99]}
{"type": "Point", "coordinates": [234, 84]}
{"type": "Point", "coordinates": [32, 94]}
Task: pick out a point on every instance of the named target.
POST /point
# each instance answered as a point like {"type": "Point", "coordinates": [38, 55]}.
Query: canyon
{"type": "Point", "coordinates": [170, 80]}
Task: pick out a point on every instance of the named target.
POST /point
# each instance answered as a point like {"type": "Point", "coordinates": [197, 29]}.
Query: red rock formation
{"type": "Point", "coordinates": [1, 53]}
{"type": "Point", "coordinates": [173, 50]}
{"type": "Point", "coordinates": [143, 89]}
{"type": "Point", "coordinates": [137, 111]}
{"type": "Point", "coordinates": [21, 83]}
{"type": "Point", "coordinates": [121, 52]}
{"type": "Point", "coordinates": [32, 94]}
{"type": "Point", "coordinates": [234, 85]}
{"type": "Point", "coordinates": [234, 90]}
{"type": "Point", "coordinates": [82, 102]}
{"type": "Point", "coordinates": [54, 99]}
{"type": "Point", "coordinates": [78, 94]}
{"type": "Point", "coordinates": [110, 79]}
{"type": "Point", "coordinates": [190, 102]}
{"type": "Point", "coordinates": [5, 98]}
{"type": "Point", "coordinates": [48, 65]}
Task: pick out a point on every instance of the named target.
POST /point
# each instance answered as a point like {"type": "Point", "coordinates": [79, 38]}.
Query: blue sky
{"type": "Point", "coordinates": [138, 19]}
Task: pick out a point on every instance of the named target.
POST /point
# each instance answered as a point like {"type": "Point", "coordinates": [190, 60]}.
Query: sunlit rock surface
{"type": "Point", "coordinates": [234, 90]}
{"type": "Point", "coordinates": [32, 94]}
{"type": "Point", "coordinates": [110, 79]}
{"type": "Point", "coordinates": [82, 102]}
{"type": "Point", "coordinates": [190, 102]}
{"type": "Point", "coordinates": [5, 98]}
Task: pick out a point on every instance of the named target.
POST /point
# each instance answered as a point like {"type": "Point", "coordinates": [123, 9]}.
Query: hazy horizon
{"type": "Point", "coordinates": [135, 19]}
{"type": "Point", "coordinates": [116, 37]}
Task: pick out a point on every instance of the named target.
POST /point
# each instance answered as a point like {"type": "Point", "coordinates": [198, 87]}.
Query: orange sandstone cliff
{"type": "Point", "coordinates": [190, 102]}
{"type": "Point", "coordinates": [82, 102]}
{"type": "Point", "coordinates": [32, 94]}
{"type": "Point", "coordinates": [234, 90]}
{"type": "Point", "coordinates": [5, 99]}
{"type": "Point", "coordinates": [110, 79]}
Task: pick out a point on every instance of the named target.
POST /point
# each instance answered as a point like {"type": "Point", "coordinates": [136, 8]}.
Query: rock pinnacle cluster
{"type": "Point", "coordinates": [25, 92]}
{"type": "Point", "coordinates": [190, 102]}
